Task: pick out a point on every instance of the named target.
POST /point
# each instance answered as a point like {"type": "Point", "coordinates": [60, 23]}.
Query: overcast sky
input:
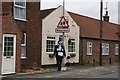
{"type": "Point", "coordinates": [89, 8]}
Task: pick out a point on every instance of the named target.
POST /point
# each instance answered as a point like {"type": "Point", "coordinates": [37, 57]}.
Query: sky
{"type": "Point", "coordinates": [89, 8]}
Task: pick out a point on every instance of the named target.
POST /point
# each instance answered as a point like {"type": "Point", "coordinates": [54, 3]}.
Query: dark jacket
{"type": "Point", "coordinates": [56, 52]}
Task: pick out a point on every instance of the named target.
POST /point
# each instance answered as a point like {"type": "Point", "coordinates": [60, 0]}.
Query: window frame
{"type": "Point", "coordinates": [50, 38]}
{"type": "Point", "coordinates": [90, 45]}
{"type": "Point", "coordinates": [14, 44]}
{"type": "Point", "coordinates": [8, 47]}
{"type": "Point", "coordinates": [24, 40]}
{"type": "Point", "coordinates": [117, 48]}
{"type": "Point", "coordinates": [18, 6]}
{"type": "Point", "coordinates": [74, 51]}
{"type": "Point", "coordinates": [24, 45]}
{"type": "Point", "coordinates": [104, 52]}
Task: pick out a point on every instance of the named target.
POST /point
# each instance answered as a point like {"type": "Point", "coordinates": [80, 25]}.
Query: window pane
{"type": "Point", "coordinates": [22, 13]}
{"type": "Point", "coordinates": [71, 46]}
{"type": "Point", "coordinates": [10, 43]}
{"type": "Point", "coordinates": [17, 2]}
{"type": "Point", "coordinates": [116, 49]}
{"type": "Point", "coordinates": [11, 53]}
{"type": "Point", "coordinates": [23, 47]}
{"type": "Point", "coordinates": [20, 2]}
{"type": "Point", "coordinates": [90, 49]}
{"type": "Point", "coordinates": [4, 53]}
{"type": "Point", "coordinates": [5, 44]}
{"type": "Point", "coordinates": [16, 14]}
{"type": "Point", "coordinates": [23, 39]}
{"type": "Point", "coordinates": [23, 51]}
{"type": "Point", "coordinates": [10, 38]}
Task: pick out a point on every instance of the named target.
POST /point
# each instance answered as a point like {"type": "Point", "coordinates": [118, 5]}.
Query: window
{"type": "Point", "coordinates": [23, 43]}
{"type": "Point", "coordinates": [8, 46]}
{"type": "Point", "coordinates": [71, 45]}
{"type": "Point", "coordinates": [20, 9]}
{"type": "Point", "coordinates": [23, 46]}
{"type": "Point", "coordinates": [116, 49]}
{"type": "Point", "coordinates": [89, 48]}
{"type": "Point", "coordinates": [50, 44]}
{"type": "Point", "coordinates": [105, 49]}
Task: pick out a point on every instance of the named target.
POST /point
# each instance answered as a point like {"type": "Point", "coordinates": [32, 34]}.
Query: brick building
{"type": "Point", "coordinates": [89, 37]}
{"type": "Point", "coordinates": [21, 27]}
{"type": "Point", "coordinates": [90, 40]}
{"type": "Point", "coordinates": [25, 38]}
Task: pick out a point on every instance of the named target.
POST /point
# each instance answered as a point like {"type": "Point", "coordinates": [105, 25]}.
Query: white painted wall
{"type": "Point", "coordinates": [48, 29]}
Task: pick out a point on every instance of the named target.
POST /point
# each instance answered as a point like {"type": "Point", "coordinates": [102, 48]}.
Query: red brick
{"type": "Point", "coordinates": [33, 29]}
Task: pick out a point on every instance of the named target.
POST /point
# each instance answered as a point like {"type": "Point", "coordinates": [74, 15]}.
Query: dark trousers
{"type": "Point", "coordinates": [59, 62]}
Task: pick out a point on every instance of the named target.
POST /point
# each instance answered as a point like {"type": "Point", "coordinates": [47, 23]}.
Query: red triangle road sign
{"type": "Point", "coordinates": [63, 23]}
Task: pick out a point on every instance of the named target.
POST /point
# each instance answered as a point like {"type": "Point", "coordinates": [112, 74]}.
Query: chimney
{"type": "Point", "coordinates": [106, 17]}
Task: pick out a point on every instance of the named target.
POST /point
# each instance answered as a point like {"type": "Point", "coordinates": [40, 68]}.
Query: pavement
{"type": "Point", "coordinates": [73, 71]}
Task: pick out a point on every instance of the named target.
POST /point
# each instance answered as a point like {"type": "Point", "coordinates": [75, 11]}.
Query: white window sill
{"type": "Point", "coordinates": [50, 52]}
{"type": "Point", "coordinates": [23, 45]}
{"type": "Point", "coordinates": [89, 54]}
{"type": "Point", "coordinates": [105, 54]}
{"type": "Point", "coordinates": [23, 57]}
{"type": "Point", "coordinates": [116, 54]}
{"type": "Point", "coordinates": [20, 19]}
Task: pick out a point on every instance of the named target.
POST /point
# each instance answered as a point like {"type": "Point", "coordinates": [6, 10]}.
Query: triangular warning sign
{"type": "Point", "coordinates": [63, 23]}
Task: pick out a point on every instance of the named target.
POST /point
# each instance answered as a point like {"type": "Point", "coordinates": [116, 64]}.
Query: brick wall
{"type": "Point", "coordinates": [96, 52]}
{"type": "Point", "coordinates": [34, 35]}
{"type": "Point", "coordinates": [10, 27]}
{"type": "Point", "coordinates": [7, 7]}
{"type": "Point", "coordinates": [33, 29]}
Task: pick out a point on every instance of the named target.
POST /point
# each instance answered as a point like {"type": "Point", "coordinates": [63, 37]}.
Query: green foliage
{"type": "Point", "coordinates": [51, 55]}
{"type": "Point", "coordinates": [72, 55]}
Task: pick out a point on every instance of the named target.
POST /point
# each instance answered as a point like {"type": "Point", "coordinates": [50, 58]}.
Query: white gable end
{"type": "Point", "coordinates": [49, 24]}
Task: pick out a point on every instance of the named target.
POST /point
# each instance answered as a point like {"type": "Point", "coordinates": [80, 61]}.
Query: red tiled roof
{"type": "Point", "coordinates": [46, 12]}
{"type": "Point", "coordinates": [91, 27]}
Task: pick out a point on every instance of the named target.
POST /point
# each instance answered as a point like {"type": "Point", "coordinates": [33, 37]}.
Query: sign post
{"type": "Point", "coordinates": [63, 27]}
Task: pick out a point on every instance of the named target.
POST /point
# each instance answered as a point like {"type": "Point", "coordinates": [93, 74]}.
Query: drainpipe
{"type": "Point", "coordinates": [81, 48]}
{"type": "Point", "coordinates": [0, 53]}
{"type": "Point", "coordinates": [0, 40]}
{"type": "Point", "coordinates": [101, 25]}
{"type": "Point", "coordinates": [119, 46]}
{"type": "Point", "coordinates": [81, 51]}
{"type": "Point", "coordinates": [119, 37]}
